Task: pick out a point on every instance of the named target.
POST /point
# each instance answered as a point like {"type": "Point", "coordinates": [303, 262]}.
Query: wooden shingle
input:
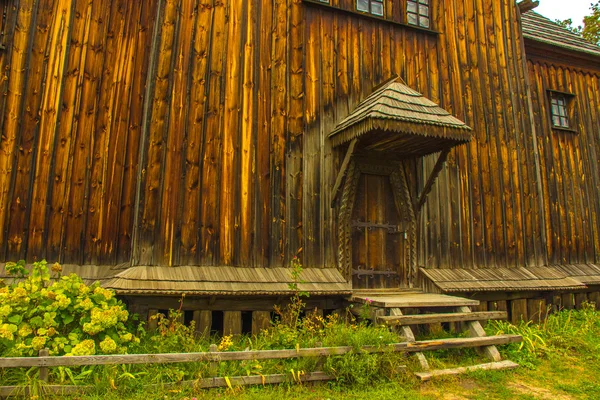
{"type": "Point", "coordinates": [501, 279]}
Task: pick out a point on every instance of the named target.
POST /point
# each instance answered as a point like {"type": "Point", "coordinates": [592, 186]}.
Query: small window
{"type": "Point", "coordinates": [562, 110]}
{"type": "Point", "coordinates": [560, 117]}
{"type": "Point", "coordinates": [417, 13]}
{"type": "Point", "coordinates": [374, 7]}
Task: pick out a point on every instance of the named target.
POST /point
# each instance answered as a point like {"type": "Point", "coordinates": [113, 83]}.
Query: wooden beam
{"type": "Point", "coordinates": [518, 311]}
{"type": "Point", "coordinates": [594, 297]}
{"type": "Point", "coordinates": [536, 309]}
{"type": "Point", "coordinates": [448, 317]}
{"type": "Point", "coordinates": [580, 298]}
{"type": "Point", "coordinates": [410, 337]}
{"type": "Point", "coordinates": [431, 180]}
{"type": "Point", "coordinates": [476, 330]}
{"type": "Point", "coordinates": [425, 376]}
{"type": "Point", "coordinates": [203, 322]}
{"type": "Point", "coordinates": [168, 358]}
{"type": "Point", "coordinates": [152, 321]}
{"type": "Point", "coordinates": [527, 5]}
{"type": "Point", "coordinates": [232, 323]}
{"type": "Point", "coordinates": [261, 320]}
{"type": "Point", "coordinates": [343, 169]}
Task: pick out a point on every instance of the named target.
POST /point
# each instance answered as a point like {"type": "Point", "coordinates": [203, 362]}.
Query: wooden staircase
{"type": "Point", "coordinates": [404, 310]}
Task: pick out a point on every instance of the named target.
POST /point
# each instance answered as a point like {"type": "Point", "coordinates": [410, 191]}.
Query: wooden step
{"type": "Point", "coordinates": [457, 343]}
{"type": "Point", "coordinates": [412, 300]}
{"type": "Point", "coordinates": [422, 319]}
{"type": "Point", "coordinates": [507, 364]}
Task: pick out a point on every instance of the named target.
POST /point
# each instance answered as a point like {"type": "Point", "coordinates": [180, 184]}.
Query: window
{"type": "Point", "coordinates": [417, 13]}
{"type": "Point", "coordinates": [374, 7]}
{"type": "Point", "coordinates": [562, 110]}
{"type": "Point", "coordinates": [559, 111]}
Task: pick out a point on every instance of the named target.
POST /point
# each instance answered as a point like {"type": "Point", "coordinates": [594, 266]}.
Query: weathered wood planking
{"type": "Point", "coordinates": [72, 189]}
{"type": "Point", "coordinates": [233, 107]}
{"type": "Point", "coordinates": [569, 162]}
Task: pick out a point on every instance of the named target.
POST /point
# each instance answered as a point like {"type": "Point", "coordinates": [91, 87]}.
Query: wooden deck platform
{"type": "Point", "coordinates": [410, 299]}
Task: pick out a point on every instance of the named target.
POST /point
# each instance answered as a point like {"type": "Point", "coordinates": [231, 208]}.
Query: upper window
{"type": "Point", "coordinates": [560, 116]}
{"type": "Point", "coordinates": [562, 110]}
{"type": "Point", "coordinates": [417, 13]}
{"type": "Point", "coordinates": [374, 7]}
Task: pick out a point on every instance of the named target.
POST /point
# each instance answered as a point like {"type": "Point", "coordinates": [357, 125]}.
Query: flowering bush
{"type": "Point", "coordinates": [64, 315]}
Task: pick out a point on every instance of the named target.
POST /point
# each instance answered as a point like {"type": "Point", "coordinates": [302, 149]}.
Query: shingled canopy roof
{"type": "Point", "coordinates": [544, 30]}
{"type": "Point", "coordinates": [205, 280]}
{"type": "Point", "coordinates": [226, 280]}
{"type": "Point", "coordinates": [501, 279]}
{"type": "Point", "coordinates": [398, 119]}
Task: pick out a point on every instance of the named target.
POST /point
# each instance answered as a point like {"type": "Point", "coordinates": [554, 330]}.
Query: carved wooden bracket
{"type": "Point", "coordinates": [431, 180]}
{"type": "Point", "coordinates": [343, 169]}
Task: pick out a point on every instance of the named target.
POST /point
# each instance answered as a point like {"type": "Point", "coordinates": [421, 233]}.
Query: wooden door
{"type": "Point", "coordinates": [379, 236]}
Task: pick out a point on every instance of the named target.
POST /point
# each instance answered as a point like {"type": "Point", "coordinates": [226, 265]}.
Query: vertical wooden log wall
{"type": "Point", "coordinates": [71, 112]}
{"type": "Point", "coordinates": [569, 161]}
{"type": "Point", "coordinates": [231, 102]}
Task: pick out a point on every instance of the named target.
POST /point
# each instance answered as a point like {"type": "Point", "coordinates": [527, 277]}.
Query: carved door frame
{"type": "Point", "coordinates": [404, 205]}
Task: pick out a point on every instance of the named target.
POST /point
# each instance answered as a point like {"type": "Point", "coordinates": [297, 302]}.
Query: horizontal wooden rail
{"type": "Point", "coordinates": [425, 345]}
{"type": "Point", "coordinates": [203, 383]}
{"type": "Point", "coordinates": [436, 318]}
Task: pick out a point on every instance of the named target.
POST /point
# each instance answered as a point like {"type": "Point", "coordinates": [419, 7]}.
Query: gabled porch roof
{"type": "Point", "coordinates": [398, 119]}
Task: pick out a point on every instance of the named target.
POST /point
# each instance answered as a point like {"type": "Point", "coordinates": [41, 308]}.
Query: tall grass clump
{"type": "Point", "coordinates": [562, 333]}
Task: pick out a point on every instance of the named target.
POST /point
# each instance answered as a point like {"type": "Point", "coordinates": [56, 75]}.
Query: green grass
{"type": "Point", "coordinates": [560, 359]}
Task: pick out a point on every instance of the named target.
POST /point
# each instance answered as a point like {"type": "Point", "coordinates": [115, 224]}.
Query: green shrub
{"type": "Point", "coordinates": [561, 333]}
{"type": "Point", "coordinates": [64, 315]}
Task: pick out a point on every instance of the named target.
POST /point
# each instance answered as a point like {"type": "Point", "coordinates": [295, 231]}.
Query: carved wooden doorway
{"type": "Point", "coordinates": [377, 227]}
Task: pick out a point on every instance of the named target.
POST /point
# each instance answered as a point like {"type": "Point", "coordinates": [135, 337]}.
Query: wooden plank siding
{"type": "Point", "coordinates": [71, 123]}
{"type": "Point", "coordinates": [569, 160]}
{"type": "Point", "coordinates": [194, 132]}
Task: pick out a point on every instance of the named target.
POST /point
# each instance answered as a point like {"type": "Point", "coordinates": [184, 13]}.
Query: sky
{"type": "Point", "coordinates": [564, 9]}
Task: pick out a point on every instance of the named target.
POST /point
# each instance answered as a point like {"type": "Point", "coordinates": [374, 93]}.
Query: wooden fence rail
{"type": "Point", "coordinates": [165, 358]}
{"type": "Point", "coordinates": [44, 361]}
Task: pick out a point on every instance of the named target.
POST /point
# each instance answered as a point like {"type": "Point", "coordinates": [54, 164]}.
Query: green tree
{"type": "Point", "coordinates": [591, 25]}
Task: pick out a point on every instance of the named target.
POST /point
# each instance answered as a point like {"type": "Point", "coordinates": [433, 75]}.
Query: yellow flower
{"type": "Point", "coordinates": [85, 348]}
{"type": "Point", "coordinates": [226, 343]}
{"type": "Point", "coordinates": [25, 331]}
{"type": "Point", "coordinates": [7, 331]}
{"type": "Point", "coordinates": [105, 292]}
{"type": "Point", "coordinates": [38, 342]}
{"type": "Point", "coordinates": [62, 301]}
{"type": "Point", "coordinates": [5, 311]}
{"type": "Point", "coordinates": [56, 267]}
{"type": "Point", "coordinates": [127, 337]}
{"type": "Point", "coordinates": [108, 345]}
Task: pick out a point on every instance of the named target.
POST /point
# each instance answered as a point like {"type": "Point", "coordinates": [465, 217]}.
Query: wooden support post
{"type": "Point", "coordinates": [343, 169]}
{"type": "Point", "coordinates": [536, 309]}
{"type": "Point", "coordinates": [431, 180]}
{"type": "Point", "coordinates": [568, 301]}
{"type": "Point", "coordinates": [44, 370]}
{"type": "Point", "coordinates": [232, 323]}
{"type": "Point", "coordinates": [499, 305]}
{"type": "Point", "coordinates": [476, 330]}
{"type": "Point", "coordinates": [483, 306]}
{"type": "Point", "coordinates": [410, 337]}
{"type": "Point", "coordinates": [594, 297]}
{"type": "Point", "coordinates": [203, 322]}
{"type": "Point", "coordinates": [557, 303]}
{"type": "Point", "coordinates": [261, 320]}
{"type": "Point", "coordinates": [213, 367]}
{"type": "Point", "coordinates": [152, 321]}
{"type": "Point", "coordinates": [317, 312]}
{"type": "Point", "coordinates": [580, 298]}
{"type": "Point", "coordinates": [518, 311]}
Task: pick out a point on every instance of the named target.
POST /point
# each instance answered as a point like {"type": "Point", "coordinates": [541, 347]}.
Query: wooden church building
{"type": "Point", "coordinates": [169, 147]}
